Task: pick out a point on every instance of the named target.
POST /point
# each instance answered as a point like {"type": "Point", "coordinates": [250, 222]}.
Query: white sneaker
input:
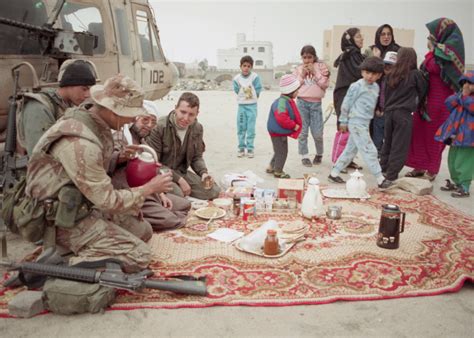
{"type": "Point", "coordinates": [250, 154]}
{"type": "Point", "coordinates": [241, 153]}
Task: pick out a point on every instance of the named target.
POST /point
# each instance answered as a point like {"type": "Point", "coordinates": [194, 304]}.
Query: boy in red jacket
{"type": "Point", "coordinates": [284, 120]}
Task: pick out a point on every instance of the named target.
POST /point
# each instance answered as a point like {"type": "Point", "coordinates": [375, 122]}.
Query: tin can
{"type": "Point", "coordinates": [248, 209]}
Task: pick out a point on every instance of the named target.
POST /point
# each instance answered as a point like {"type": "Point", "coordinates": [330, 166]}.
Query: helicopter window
{"type": "Point", "coordinates": [84, 18]}
{"type": "Point", "coordinates": [124, 37]}
{"type": "Point", "coordinates": [151, 50]}
{"type": "Point", "coordinates": [15, 40]}
{"type": "Point", "coordinates": [144, 36]}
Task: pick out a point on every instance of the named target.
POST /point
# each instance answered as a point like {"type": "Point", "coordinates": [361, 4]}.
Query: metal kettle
{"type": "Point", "coordinates": [392, 223]}
{"type": "Point", "coordinates": [143, 167]}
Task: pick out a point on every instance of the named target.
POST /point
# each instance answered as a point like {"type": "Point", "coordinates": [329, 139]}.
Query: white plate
{"type": "Point", "coordinates": [210, 212]}
{"type": "Point", "coordinates": [341, 193]}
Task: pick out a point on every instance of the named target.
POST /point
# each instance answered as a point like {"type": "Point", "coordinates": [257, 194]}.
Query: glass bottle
{"type": "Point", "coordinates": [236, 206]}
{"type": "Point", "coordinates": [271, 246]}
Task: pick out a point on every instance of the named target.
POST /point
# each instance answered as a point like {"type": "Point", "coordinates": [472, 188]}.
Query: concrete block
{"type": "Point", "coordinates": [26, 304]}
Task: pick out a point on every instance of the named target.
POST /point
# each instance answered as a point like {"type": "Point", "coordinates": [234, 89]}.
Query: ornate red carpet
{"type": "Point", "coordinates": [339, 260]}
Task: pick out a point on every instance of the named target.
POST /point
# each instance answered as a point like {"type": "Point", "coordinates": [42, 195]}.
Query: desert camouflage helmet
{"type": "Point", "coordinates": [120, 94]}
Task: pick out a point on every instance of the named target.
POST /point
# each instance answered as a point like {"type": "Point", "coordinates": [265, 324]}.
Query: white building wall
{"type": "Point", "coordinates": [260, 51]}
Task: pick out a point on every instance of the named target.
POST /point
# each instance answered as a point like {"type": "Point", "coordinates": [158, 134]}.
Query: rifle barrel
{"type": "Point", "coordinates": [60, 271]}
{"type": "Point", "coordinates": [178, 286]}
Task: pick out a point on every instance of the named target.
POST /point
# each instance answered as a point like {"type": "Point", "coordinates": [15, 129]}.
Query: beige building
{"type": "Point", "coordinates": [332, 40]}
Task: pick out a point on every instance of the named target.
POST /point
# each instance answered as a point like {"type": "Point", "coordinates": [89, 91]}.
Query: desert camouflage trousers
{"type": "Point", "coordinates": [96, 238]}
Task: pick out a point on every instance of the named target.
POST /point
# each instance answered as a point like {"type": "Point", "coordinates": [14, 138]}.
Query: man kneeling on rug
{"type": "Point", "coordinates": [70, 200]}
{"type": "Point", "coordinates": [162, 211]}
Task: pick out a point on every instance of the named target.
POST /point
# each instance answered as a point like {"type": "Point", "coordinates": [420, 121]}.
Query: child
{"type": "Point", "coordinates": [314, 77]}
{"type": "Point", "coordinates": [405, 88]}
{"type": "Point", "coordinates": [284, 120]}
{"type": "Point", "coordinates": [247, 86]}
{"type": "Point", "coordinates": [356, 112]}
{"type": "Point", "coordinates": [379, 120]}
{"type": "Point", "coordinates": [458, 132]}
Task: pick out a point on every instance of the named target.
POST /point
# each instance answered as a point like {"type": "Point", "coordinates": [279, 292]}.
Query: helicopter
{"type": "Point", "coordinates": [117, 36]}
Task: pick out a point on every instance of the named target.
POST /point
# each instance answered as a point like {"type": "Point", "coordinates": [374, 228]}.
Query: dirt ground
{"type": "Point", "coordinates": [447, 315]}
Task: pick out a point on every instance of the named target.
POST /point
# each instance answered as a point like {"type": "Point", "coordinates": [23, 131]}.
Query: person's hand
{"type": "Point", "coordinates": [343, 128]}
{"type": "Point", "coordinates": [377, 52]}
{"type": "Point", "coordinates": [184, 186]}
{"type": "Point", "coordinates": [466, 89]}
{"type": "Point", "coordinates": [159, 184]}
{"type": "Point", "coordinates": [165, 201]}
{"type": "Point", "coordinates": [207, 181]}
{"type": "Point", "coordinates": [296, 127]}
{"type": "Point", "coordinates": [129, 152]}
{"type": "Point", "coordinates": [378, 113]}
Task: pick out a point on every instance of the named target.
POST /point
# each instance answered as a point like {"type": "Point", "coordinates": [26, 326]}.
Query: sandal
{"type": "Point", "coordinates": [460, 193]}
{"type": "Point", "coordinates": [449, 186]}
{"type": "Point", "coordinates": [269, 170]}
{"type": "Point", "coordinates": [415, 173]}
{"type": "Point", "coordinates": [281, 174]}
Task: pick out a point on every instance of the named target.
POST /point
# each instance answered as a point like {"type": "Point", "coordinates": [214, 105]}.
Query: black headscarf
{"type": "Point", "coordinates": [392, 47]}
{"type": "Point", "coordinates": [348, 63]}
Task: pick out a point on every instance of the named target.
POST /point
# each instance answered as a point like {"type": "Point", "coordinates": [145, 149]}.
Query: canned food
{"type": "Point", "coordinates": [248, 209]}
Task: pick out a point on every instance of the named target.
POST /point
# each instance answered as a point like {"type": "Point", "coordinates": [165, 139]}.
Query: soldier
{"type": "Point", "coordinates": [69, 165]}
{"type": "Point", "coordinates": [41, 110]}
{"type": "Point", "coordinates": [178, 142]}
{"type": "Point", "coordinates": [162, 211]}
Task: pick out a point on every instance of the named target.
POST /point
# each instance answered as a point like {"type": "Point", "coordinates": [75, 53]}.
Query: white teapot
{"type": "Point", "coordinates": [312, 205]}
{"type": "Point", "coordinates": [356, 185]}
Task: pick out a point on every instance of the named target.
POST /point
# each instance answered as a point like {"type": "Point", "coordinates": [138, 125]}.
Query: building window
{"type": "Point", "coordinates": [245, 49]}
{"type": "Point", "coordinates": [261, 49]}
{"type": "Point", "coordinates": [259, 63]}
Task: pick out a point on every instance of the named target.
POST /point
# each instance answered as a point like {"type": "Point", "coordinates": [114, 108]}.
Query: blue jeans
{"type": "Point", "coordinates": [359, 141]}
{"type": "Point", "coordinates": [312, 116]}
{"type": "Point", "coordinates": [377, 135]}
{"type": "Point", "coordinates": [246, 118]}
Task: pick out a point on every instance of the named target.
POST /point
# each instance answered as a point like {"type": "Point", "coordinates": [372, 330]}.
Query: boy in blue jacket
{"type": "Point", "coordinates": [356, 112]}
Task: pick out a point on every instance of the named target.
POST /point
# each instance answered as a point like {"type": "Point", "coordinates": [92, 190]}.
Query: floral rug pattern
{"type": "Point", "coordinates": [338, 260]}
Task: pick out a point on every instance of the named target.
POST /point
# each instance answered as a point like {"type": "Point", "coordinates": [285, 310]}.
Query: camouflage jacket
{"type": "Point", "coordinates": [39, 111]}
{"type": "Point", "coordinates": [77, 150]}
{"type": "Point", "coordinates": [166, 142]}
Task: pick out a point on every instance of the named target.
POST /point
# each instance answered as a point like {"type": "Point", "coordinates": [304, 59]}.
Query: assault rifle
{"type": "Point", "coordinates": [114, 277]}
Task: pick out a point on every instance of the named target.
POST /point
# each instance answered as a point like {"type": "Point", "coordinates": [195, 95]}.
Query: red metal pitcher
{"type": "Point", "coordinates": [143, 167]}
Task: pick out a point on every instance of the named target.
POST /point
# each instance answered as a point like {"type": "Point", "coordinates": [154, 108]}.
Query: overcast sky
{"type": "Point", "coordinates": [194, 30]}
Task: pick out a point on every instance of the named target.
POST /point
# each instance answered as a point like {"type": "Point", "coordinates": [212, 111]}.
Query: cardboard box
{"type": "Point", "coordinates": [291, 188]}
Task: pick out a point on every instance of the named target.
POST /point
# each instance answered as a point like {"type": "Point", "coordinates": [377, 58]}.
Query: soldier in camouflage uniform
{"type": "Point", "coordinates": [41, 110]}
{"type": "Point", "coordinates": [76, 152]}
{"type": "Point", "coordinates": [162, 211]}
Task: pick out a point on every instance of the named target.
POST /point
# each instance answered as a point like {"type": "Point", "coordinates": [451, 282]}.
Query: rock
{"type": "Point", "coordinates": [416, 186]}
{"type": "Point", "coordinates": [26, 304]}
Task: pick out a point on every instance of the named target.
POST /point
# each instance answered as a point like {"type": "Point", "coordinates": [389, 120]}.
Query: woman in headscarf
{"type": "Point", "coordinates": [384, 42]}
{"type": "Point", "coordinates": [348, 65]}
{"type": "Point", "coordinates": [348, 69]}
{"type": "Point", "coordinates": [444, 64]}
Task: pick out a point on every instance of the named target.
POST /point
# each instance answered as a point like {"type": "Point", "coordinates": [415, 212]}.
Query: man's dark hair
{"type": "Point", "coordinates": [246, 59]}
{"type": "Point", "coordinates": [372, 64]}
{"type": "Point", "coordinates": [190, 98]}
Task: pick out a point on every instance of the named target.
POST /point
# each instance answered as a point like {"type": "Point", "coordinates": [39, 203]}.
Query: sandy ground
{"type": "Point", "coordinates": [448, 315]}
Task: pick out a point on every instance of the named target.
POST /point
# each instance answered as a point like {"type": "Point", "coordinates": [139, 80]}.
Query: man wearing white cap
{"type": "Point", "coordinates": [163, 211]}
{"type": "Point", "coordinates": [67, 178]}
